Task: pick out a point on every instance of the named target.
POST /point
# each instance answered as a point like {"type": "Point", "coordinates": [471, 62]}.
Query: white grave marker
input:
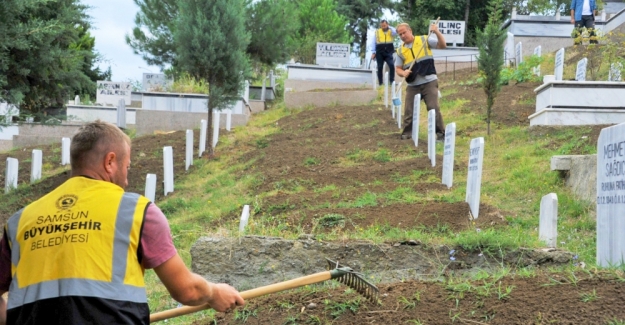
{"type": "Point", "coordinates": [150, 187]}
{"type": "Point", "coordinates": [548, 225]}
{"type": "Point", "coordinates": [65, 144]}
{"type": "Point", "coordinates": [215, 128]}
{"type": "Point", "coordinates": [432, 136]}
{"type": "Point", "coordinates": [188, 161]}
{"type": "Point", "coordinates": [518, 53]}
{"type": "Point", "coordinates": [448, 154]}
{"type": "Point", "coordinates": [246, 92]}
{"type": "Point", "coordinates": [168, 170]}
{"type": "Point", "coordinates": [228, 120]}
{"type": "Point", "coordinates": [538, 53]}
{"type": "Point", "coordinates": [399, 108]}
{"type": "Point", "coordinates": [611, 196]}
{"type": "Point", "coordinates": [474, 177]}
{"type": "Point", "coordinates": [203, 127]}
{"type": "Point", "coordinates": [509, 49]}
{"type": "Point", "coordinates": [559, 64]}
{"type": "Point", "coordinates": [416, 111]}
{"type": "Point", "coordinates": [35, 167]}
{"type": "Point", "coordinates": [393, 96]}
{"type": "Point", "coordinates": [615, 71]}
{"type": "Point", "coordinates": [109, 92]}
{"type": "Point", "coordinates": [245, 216]}
{"type": "Point", "coordinates": [10, 177]}
{"type": "Point", "coordinates": [77, 100]}
{"type": "Point", "coordinates": [386, 89]}
{"type": "Point", "coordinates": [121, 114]}
{"type": "Point", "coordinates": [580, 73]}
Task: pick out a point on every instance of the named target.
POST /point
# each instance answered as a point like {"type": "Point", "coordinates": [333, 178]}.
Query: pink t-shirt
{"type": "Point", "coordinates": [157, 245]}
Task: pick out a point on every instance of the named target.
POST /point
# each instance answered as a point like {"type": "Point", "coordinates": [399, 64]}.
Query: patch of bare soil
{"type": "Point", "coordinates": [541, 299]}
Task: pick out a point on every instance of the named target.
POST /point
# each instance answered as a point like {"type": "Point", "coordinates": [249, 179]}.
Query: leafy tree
{"type": "Point", "coordinates": [158, 18]}
{"type": "Point", "coordinates": [210, 43]}
{"type": "Point", "coordinates": [490, 61]}
{"type": "Point", "coordinates": [320, 22]}
{"type": "Point", "coordinates": [87, 42]}
{"type": "Point", "coordinates": [41, 64]}
{"type": "Point", "coordinates": [362, 14]}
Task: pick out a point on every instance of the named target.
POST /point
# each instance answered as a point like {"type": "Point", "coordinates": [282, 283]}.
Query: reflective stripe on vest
{"type": "Point", "coordinates": [407, 53]}
{"type": "Point", "coordinates": [76, 225]}
{"type": "Point", "coordinates": [382, 37]}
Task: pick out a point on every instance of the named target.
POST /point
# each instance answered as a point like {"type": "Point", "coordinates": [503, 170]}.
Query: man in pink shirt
{"type": "Point", "coordinates": [77, 255]}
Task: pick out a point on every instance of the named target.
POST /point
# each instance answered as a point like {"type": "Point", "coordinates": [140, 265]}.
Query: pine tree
{"type": "Point", "coordinates": [210, 43]}
{"type": "Point", "coordinates": [490, 42]}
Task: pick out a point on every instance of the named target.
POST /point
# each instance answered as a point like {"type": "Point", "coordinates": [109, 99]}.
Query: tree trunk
{"type": "Point", "coordinates": [209, 129]}
{"type": "Point", "coordinates": [467, 6]}
{"type": "Point", "coordinates": [363, 46]}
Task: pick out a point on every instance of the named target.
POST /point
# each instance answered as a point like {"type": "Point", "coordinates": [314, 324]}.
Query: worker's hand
{"type": "Point", "coordinates": [372, 56]}
{"type": "Point", "coordinates": [406, 73]}
{"type": "Point", "coordinates": [434, 28]}
{"type": "Point", "coordinates": [224, 297]}
{"type": "Point", "coordinates": [573, 20]}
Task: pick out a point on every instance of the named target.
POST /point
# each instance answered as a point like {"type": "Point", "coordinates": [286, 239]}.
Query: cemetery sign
{"type": "Point", "coordinates": [155, 82]}
{"type": "Point", "coordinates": [333, 54]}
{"type": "Point", "coordinates": [453, 30]}
{"type": "Point", "coordinates": [110, 92]}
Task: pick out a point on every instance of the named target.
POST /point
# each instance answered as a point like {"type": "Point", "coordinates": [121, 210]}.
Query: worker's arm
{"type": "Point", "coordinates": [439, 36]}
{"type": "Point", "coordinates": [3, 309]}
{"type": "Point", "coordinates": [572, 16]}
{"type": "Point", "coordinates": [372, 45]}
{"type": "Point", "coordinates": [191, 289]}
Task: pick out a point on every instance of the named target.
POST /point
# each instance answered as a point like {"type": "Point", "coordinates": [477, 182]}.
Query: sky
{"type": "Point", "coordinates": [111, 21]}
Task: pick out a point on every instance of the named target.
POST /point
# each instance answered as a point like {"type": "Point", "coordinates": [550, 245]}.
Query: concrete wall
{"type": "Point", "coordinates": [149, 121]}
{"type": "Point", "coordinates": [257, 106]}
{"type": "Point", "coordinates": [84, 113]}
{"type": "Point", "coordinates": [327, 98]}
{"type": "Point", "coordinates": [547, 45]}
{"type": "Point", "coordinates": [37, 134]}
{"type": "Point", "coordinates": [294, 85]}
{"type": "Point", "coordinates": [580, 174]}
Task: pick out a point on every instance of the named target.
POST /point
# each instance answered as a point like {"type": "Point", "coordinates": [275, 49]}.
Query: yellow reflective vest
{"type": "Point", "coordinates": [421, 52]}
{"type": "Point", "coordinates": [78, 246]}
{"type": "Point", "coordinates": [382, 37]}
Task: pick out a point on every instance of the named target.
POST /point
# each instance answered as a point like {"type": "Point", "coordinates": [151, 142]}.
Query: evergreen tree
{"type": "Point", "coordinates": [158, 17]}
{"type": "Point", "coordinates": [490, 61]}
{"type": "Point", "coordinates": [362, 14]}
{"type": "Point", "coordinates": [320, 22]}
{"type": "Point", "coordinates": [210, 43]}
{"type": "Point", "coordinates": [40, 64]}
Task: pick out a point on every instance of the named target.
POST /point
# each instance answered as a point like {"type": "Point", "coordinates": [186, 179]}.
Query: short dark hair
{"type": "Point", "coordinates": [383, 21]}
{"type": "Point", "coordinates": [96, 139]}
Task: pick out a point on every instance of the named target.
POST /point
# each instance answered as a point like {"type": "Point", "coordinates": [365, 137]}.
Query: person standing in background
{"type": "Point", "coordinates": [382, 50]}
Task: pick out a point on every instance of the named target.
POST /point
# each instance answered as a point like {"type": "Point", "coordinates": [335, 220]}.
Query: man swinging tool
{"type": "Point", "coordinates": [414, 62]}
{"type": "Point", "coordinates": [78, 254]}
{"type": "Point", "coordinates": [382, 50]}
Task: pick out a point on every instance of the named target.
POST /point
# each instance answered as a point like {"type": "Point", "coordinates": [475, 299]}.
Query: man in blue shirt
{"type": "Point", "coordinates": [382, 50]}
{"type": "Point", "coordinates": [583, 14]}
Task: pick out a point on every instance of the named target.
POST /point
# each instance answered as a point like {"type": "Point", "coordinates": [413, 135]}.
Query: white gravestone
{"type": "Point", "coordinates": [215, 128]}
{"type": "Point", "coordinates": [448, 154]}
{"type": "Point", "coordinates": [228, 120]}
{"type": "Point", "coordinates": [374, 79]}
{"type": "Point", "coordinates": [35, 167]}
{"type": "Point", "coordinates": [168, 170]}
{"type": "Point", "coordinates": [77, 100]}
{"type": "Point", "coordinates": [518, 53]}
{"type": "Point", "coordinates": [246, 92]}
{"type": "Point", "coordinates": [509, 49]}
{"type": "Point", "coordinates": [150, 187]}
{"type": "Point", "coordinates": [580, 73]}
{"type": "Point", "coordinates": [65, 144]}
{"type": "Point", "coordinates": [272, 79]}
{"type": "Point", "coordinates": [121, 114]}
{"type": "Point", "coordinates": [538, 53]}
{"type": "Point", "coordinates": [10, 177]}
{"type": "Point", "coordinates": [399, 109]}
{"type": "Point", "coordinates": [416, 111]}
{"type": "Point", "coordinates": [611, 196]}
{"type": "Point", "coordinates": [203, 127]}
{"type": "Point", "coordinates": [109, 92]}
{"type": "Point", "coordinates": [386, 89]}
{"type": "Point", "coordinates": [263, 90]}
{"type": "Point", "coordinates": [393, 96]}
{"type": "Point", "coordinates": [188, 157]}
{"type": "Point", "coordinates": [559, 64]}
{"type": "Point", "coordinates": [615, 71]}
{"type": "Point", "coordinates": [333, 54]}
{"type": "Point", "coordinates": [432, 136]}
{"type": "Point", "coordinates": [548, 225]}
{"type": "Point", "coordinates": [245, 216]}
{"type": "Point", "coordinates": [474, 177]}
{"type": "Point", "coordinates": [155, 82]}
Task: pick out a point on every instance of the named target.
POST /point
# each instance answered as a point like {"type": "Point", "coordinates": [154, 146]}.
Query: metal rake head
{"type": "Point", "coordinates": [353, 279]}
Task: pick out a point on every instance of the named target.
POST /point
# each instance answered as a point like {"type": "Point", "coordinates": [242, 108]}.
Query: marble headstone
{"type": "Point", "coordinates": [188, 153]}
{"type": "Point", "coordinates": [121, 114]}
{"type": "Point", "coordinates": [245, 216]}
{"type": "Point", "coordinates": [559, 64]}
{"type": "Point", "coordinates": [150, 187]}
{"type": "Point", "coordinates": [580, 73]}
{"type": "Point", "coordinates": [10, 176]}
{"type": "Point", "coordinates": [393, 95]}
{"type": "Point", "coordinates": [416, 112]}
{"type": "Point", "coordinates": [432, 136]}
{"type": "Point", "coordinates": [35, 167]}
{"type": "Point", "coordinates": [65, 144]}
{"type": "Point", "coordinates": [538, 53]}
{"type": "Point", "coordinates": [611, 196]}
{"type": "Point", "coordinates": [615, 71]}
{"type": "Point", "coordinates": [399, 109]}
{"type": "Point", "coordinates": [474, 175]}
{"type": "Point", "coordinates": [386, 89]}
{"type": "Point", "coordinates": [509, 49]}
{"type": "Point", "coordinates": [518, 53]}
{"type": "Point", "coordinates": [203, 127]}
{"type": "Point", "coordinates": [228, 119]}
{"type": "Point", "coordinates": [215, 128]}
{"type": "Point", "coordinates": [168, 169]}
{"type": "Point", "coordinates": [548, 223]}
{"type": "Point", "coordinates": [448, 154]}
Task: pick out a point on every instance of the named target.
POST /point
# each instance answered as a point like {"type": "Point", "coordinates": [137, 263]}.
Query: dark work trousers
{"type": "Point", "coordinates": [384, 53]}
{"type": "Point", "coordinates": [587, 21]}
{"type": "Point", "coordinates": [429, 93]}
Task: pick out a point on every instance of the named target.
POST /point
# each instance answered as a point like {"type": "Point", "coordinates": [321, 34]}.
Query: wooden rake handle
{"type": "Point", "coordinates": [253, 293]}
